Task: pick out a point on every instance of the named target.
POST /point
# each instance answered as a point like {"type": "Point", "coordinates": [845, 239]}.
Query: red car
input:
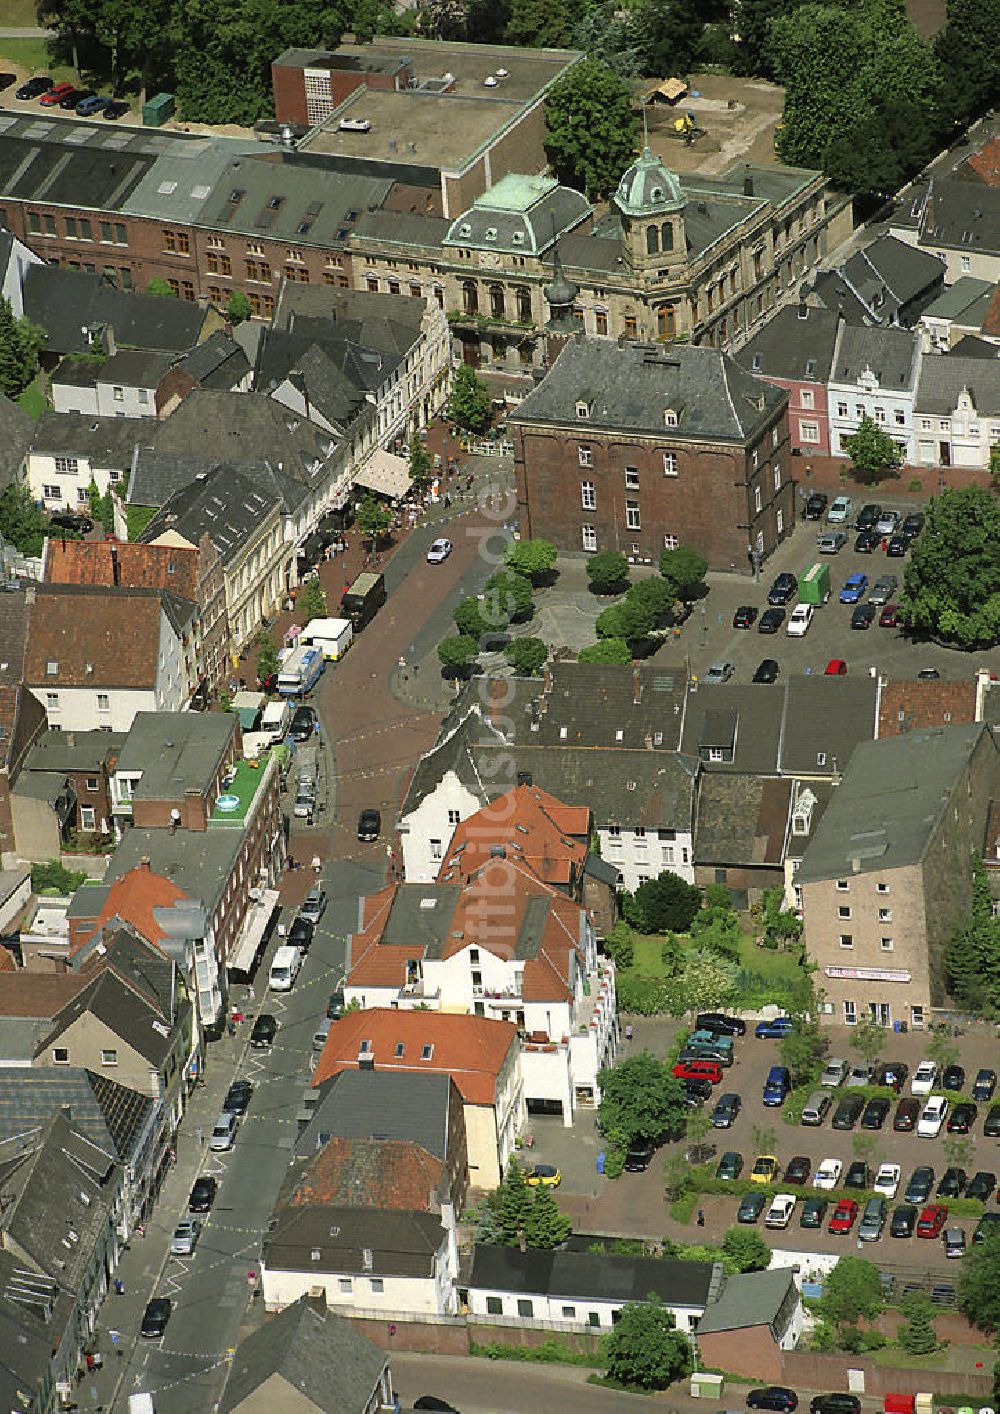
{"type": "Point", "coordinates": [932, 1220]}
{"type": "Point", "coordinates": [889, 617]}
{"type": "Point", "coordinates": [745, 616]}
{"type": "Point", "coordinates": [836, 668]}
{"type": "Point", "coordinates": [844, 1215]}
{"type": "Point", "coordinates": [54, 95]}
{"type": "Point", "coordinates": [699, 1070]}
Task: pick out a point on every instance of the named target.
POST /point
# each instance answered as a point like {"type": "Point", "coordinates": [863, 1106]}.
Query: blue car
{"type": "Point", "coordinates": [773, 1030]}
{"type": "Point", "coordinates": [853, 591]}
{"type": "Point", "coordinates": [90, 107]}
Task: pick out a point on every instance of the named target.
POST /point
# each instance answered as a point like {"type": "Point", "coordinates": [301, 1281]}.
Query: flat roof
{"type": "Point", "coordinates": [175, 751]}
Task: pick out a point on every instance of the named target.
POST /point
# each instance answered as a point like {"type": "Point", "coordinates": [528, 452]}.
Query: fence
{"type": "Point", "coordinates": [491, 449]}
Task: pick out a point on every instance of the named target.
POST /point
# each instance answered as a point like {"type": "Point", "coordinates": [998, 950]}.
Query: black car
{"type": "Point", "coordinates": [897, 546]}
{"type": "Point", "coordinates": [904, 1121]}
{"type": "Point", "coordinates": [751, 1207]}
{"type": "Point", "coordinates": [893, 1074]}
{"type": "Point", "coordinates": [952, 1183]}
{"type": "Point", "coordinates": [771, 620]}
{"type": "Point", "coordinates": [866, 542]}
{"type": "Point", "coordinates": [904, 1220]}
{"type": "Point", "coordinates": [431, 1401]}
{"type": "Point", "coordinates": [783, 588]}
{"type": "Point", "coordinates": [639, 1156]}
{"type": "Point", "coordinates": [75, 96]}
{"type": "Point", "coordinates": [745, 616]}
{"type": "Point", "coordinates": [114, 111]}
{"type": "Point", "coordinates": [918, 1190]}
{"type": "Point", "coordinates": [300, 935]}
{"type": "Point", "coordinates": [697, 1091]}
{"type": "Point", "coordinates": [835, 1404]}
{"type": "Point", "coordinates": [992, 1126]}
{"type": "Point", "coordinates": [863, 615]}
{"type": "Point", "coordinates": [774, 1396]}
{"type": "Point", "coordinates": [721, 1024]}
{"type": "Point", "coordinates": [813, 1212]}
{"type": "Point", "coordinates": [730, 1166]}
{"type": "Point", "coordinates": [72, 520]}
{"type": "Point", "coordinates": [847, 1113]}
{"type": "Point", "coordinates": [265, 1028]}
{"type": "Point", "coordinates": [867, 516]}
{"type": "Point", "coordinates": [953, 1078]}
{"type": "Point", "coordinates": [369, 825]}
{"type": "Point", "coordinates": [984, 1085]}
{"type": "Point", "coordinates": [981, 1186]}
{"type": "Point", "coordinates": [203, 1194]}
{"type": "Point", "coordinates": [335, 1006]}
{"type": "Point", "coordinates": [727, 1107]}
{"type": "Point", "coordinates": [858, 1175]}
{"type": "Point", "coordinates": [962, 1118]}
{"type": "Point", "coordinates": [6, 80]}
{"type": "Point", "coordinates": [41, 83]}
{"type": "Point", "coordinates": [913, 524]}
{"type": "Point", "coordinates": [303, 724]}
{"type": "Point", "coordinates": [986, 1224]}
{"type": "Point", "coordinates": [798, 1169]}
{"type": "Point", "coordinates": [767, 669]}
{"type": "Point", "coordinates": [875, 1113]}
{"type": "Point", "coordinates": [237, 1097]}
{"type": "Point", "coordinates": [816, 504]}
{"type": "Point", "coordinates": [155, 1317]}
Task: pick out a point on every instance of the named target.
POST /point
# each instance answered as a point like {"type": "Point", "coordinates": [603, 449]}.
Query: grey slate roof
{"type": "Point", "coordinates": [742, 820]}
{"type": "Point", "coordinates": [941, 380]}
{"type": "Point", "coordinates": [65, 301]}
{"type": "Point", "coordinates": [369, 1104]}
{"type": "Point", "coordinates": [891, 354]}
{"type": "Point", "coordinates": [888, 276]}
{"type": "Point", "coordinates": [962, 215]}
{"type": "Point", "coordinates": [464, 727]}
{"type": "Point", "coordinates": [630, 386]}
{"type": "Point", "coordinates": [322, 1356]}
{"type": "Point", "coordinates": [893, 794]}
{"type": "Point", "coordinates": [314, 369]}
{"type": "Point", "coordinates": [591, 704]}
{"type": "Point", "coordinates": [597, 1276]}
{"type": "Point", "coordinates": [107, 1114]}
{"type": "Point", "coordinates": [175, 751]}
{"type": "Point", "coordinates": [402, 1242]}
{"type": "Point", "coordinates": [539, 211]}
{"type": "Point", "coordinates": [199, 863]}
{"type": "Point", "coordinates": [957, 299]}
{"type": "Point", "coordinates": [150, 971]}
{"type": "Point", "coordinates": [219, 362]}
{"type": "Point", "coordinates": [749, 714]}
{"type": "Point", "coordinates": [797, 344]}
{"type": "Point", "coordinates": [135, 368]}
{"type": "Point", "coordinates": [16, 431]}
{"type": "Point", "coordinates": [107, 441]}
{"type": "Point", "coordinates": [222, 504]}
{"type": "Point", "coordinates": [748, 1299]}
{"type": "Point", "coordinates": [138, 1022]}
{"type": "Point", "coordinates": [57, 750]}
{"type": "Point", "coordinates": [974, 347]}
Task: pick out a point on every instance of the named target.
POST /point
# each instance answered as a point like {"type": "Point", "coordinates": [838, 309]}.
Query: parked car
{"type": "Point", "coordinates": [369, 825]}
{"type": "Point", "coordinates": [860, 1075]}
{"type": "Point", "coordinates": [709, 1070]}
{"type": "Point", "coordinates": [185, 1238]}
{"type": "Point", "coordinates": [265, 1028]}
{"type": "Point", "coordinates": [954, 1242]}
{"type": "Point", "coordinates": [223, 1134]}
{"type": "Point", "coordinates": [897, 546]}
{"type": "Point", "coordinates": [773, 1030]}
{"type": "Point", "coordinates": [784, 586]}
{"type": "Point", "coordinates": [439, 551]}
{"type": "Point", "coordinates": [873, 1220]}
{"type": "Point", "coordinates": [771, 620]}
{"type": "Point", "coordinates": [815, 1108]}
{"type": "Point", "coordinates": [6, 80]}
{"type": "Point", "coordinates": [893, 1074]}
{"type": "Point", "coordinates": [321, 1033]}
{"type": "Point", "coordinates": [875, 1113]}
{"type": "Point", "coordinates": [55, 95]}
{"type": "Point", "coordinates": [303, 724]}
{"type": "Point", "coordinates": [932, 1220]}
{"type": "Point", "coordinates": [780, 1212]}
{"type": "Point", "coordinates": [813, 1213]}
{"type": "Point", "coordinates": [639, 1156]}
{"type": "Point", "coordinates": [828, 1174]}
{"type": "Point", "coordinates": [905, 1119]}
{"type": "Point", "coordinates": [90, 107]}
{"type": "Point", "coordinates": [798, 1169]}
{"type": "Point", "coordinates": [836, 668]}
{"type": "Point", "coordinates": [904, 1220]}
{"type": "Point", "coordinates": [858, 1174]}
{"type": "Point", "coordinates": [854, 588]}
{"type": "Point", "coordinates": [115, 110]}
{"type": "Point", "coordinates": [155, 1317]}
{"type": "Point", "coordinates": [868, 516]}
{"type": "Point", "coordinates": [883, 589]}
{"type": "Point", "coordinates": [313, 906]}
{"type": "Point", "coordinates": [984, 1084]}
{"type": "Point", "coordinates": [844, 1216]}
{"type": "Point", "coordinates": [750, 1208]}
{"type": "Point", "coordinates": [765, 1169]}
{"type": "Point", "coordinates": [889, 617]}
{"type": "Point", "coordinates": [887, 1180]}
{"type": "Point", "coordinates": [33, 87]}
{"type": "Point", "coordinates": [726, 1109]}
{"type": "Point", "coordinates": [887, 523]}
{"type": "Point", "coordinates": [76, 95]}
{"type": "Point", "coordinates": [730, 1166]}
{"type": "Point", "coordinates": [848, 1112]}
{"type": "Point", "coordinates": [798, 624]}
{"type": "Point", "coordinates": [720, 1023]}
{"type": "Point", "coordinates": [720, 672]}
{"type": "Point", "coordinates": [913, 524]}
{"type": "Point", "coordinates": [840, 511]}
{"type": "Point", "coordinates": [953, 1078]}
{"type": "Point", "coordinates": [831, 542]}
{"type": "Point", "coordinates": [72, 520]}
{"type": "Point", "coordinates": [918, 1189]}
{"type": "Point", "coordinates": [335, 1005]}
{"type": "Point", "coordinates": [775, 1397]}
{"type": "Point", "coordinates": [863, 616]}
{"type": "Point", "coordinates": [745, 616]}
{"type": "Point", "coordinates": [300, 934]}
{"type": "Point", "coordinates": [835, 1404]}
{"type": "Point", "coordinates": [767, 671]}
{"type": "Point", "coordinates": [203, 1194]}
{"type": "Point", "coordinates": [981, 1186]}
{"type": "Point", "coordinates": [238, 1097]}
{"type": "Point", "coordinates": [932, 1117]}
{"type": "Point", "coordinates": [865, 542]}
{"type": "Point", "coordinates": [962, 1118]}
{"type": "Point", "coordinates": [924, 1078]}
{"type": "Point", "coordinates": [952, 1182]}
{"type": "Point", "coordinates": [542, 1176]}
{"type": "Point", "coordinates": [991, 1128]}
{"type": "Point", "coordinates": [816, 504]}
{"type": "Point", "coordinates": [696, 1092]}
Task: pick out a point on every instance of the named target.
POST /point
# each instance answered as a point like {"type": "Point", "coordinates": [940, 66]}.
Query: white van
{"type": "Point", "coordinates": [276, 719]}
{"type": "Point", "coordinates": [141, 1404]}
{"type": "Point", "coordinates": [285, 969]}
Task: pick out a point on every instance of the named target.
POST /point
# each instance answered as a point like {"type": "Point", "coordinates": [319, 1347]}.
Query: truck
{"type": "Point", "coordinates": [363, 600]}
{"type": "Point", "coordinates": [275, 719]}
{"type": "Point", "coordinates": [300, 671]}
{"type": "Point", "coordinates": [814, 585]}
{"type": "Point", "coordinates": [333, 636]}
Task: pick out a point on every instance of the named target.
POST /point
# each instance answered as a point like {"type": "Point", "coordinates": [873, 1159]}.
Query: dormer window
{"type": "Point", "coordinates": [517, 238]}
{"type": "Point", "coordinates": [465, 229]}
{"type": "Point", "coordinates": [491, 233]}
{"type": "Point", "coordinates": [756, 363]}
{"type": "Point", "coordinates": [669, 418]}
{"type": "Point", "coordinates": [582, 409]}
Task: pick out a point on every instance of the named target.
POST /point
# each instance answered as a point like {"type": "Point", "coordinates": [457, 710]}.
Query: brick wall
{"type": "Point", "coordinates": [288, 86]}
{"type": "Point", "coordinates": [746, 1352]}
{"type": "Point", "coordinates": [806, 1370]}
{"type": "Point", "coordinates": [823, 474]}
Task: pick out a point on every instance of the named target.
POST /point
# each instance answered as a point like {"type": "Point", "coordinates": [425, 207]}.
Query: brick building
{"type": "Point", "coordinates": [22, 716]}
{"type": "Point", "coordinates": [638, 448]}
{"type": "Point", "coordinates": [64, 789]}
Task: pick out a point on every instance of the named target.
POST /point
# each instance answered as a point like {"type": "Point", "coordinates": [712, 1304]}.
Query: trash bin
{"type": "Point", "coordinates": [897, 1027]}
{"type": "Point", "coordinates": [601, 1157]}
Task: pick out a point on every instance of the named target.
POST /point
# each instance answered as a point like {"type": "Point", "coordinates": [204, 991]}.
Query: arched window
{"type": "Point", "coordinates": [524, 305]}
{"type": "Point", "coordinates": [498, 307]}
{"type": "Point", "coordinates": [470, 296]}
{"type": "Point", "coordinates": [667, 235]}
{"type": "Point", "coordinates": [666, 321]}
{"type": "Point", "coordinates": [652, 240]}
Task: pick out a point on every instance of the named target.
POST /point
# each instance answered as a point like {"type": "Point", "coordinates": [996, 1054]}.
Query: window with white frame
{"type": "Point", "coordinates": [52, 493]}
{"type": "Point", "coordinates": [669, 463]}
{"type": "Point", "coordinates": [850, 1014]}
{"type": "Point", "coordinates": [589, 537]}
{"type": "Point", "coordinates": [807, 398]}
{"type": "Point", "coordinates": [66, 466]}
{"type": "Point", "coordinates": [757, 499]}
{"type": "Point", "coordinates": [670, 542]}
{"type": "Point", "coordinates": [777, 478]}
{"type": "Point", "coordinates": [809, 432]}
{"type": "Point", "coordinates": [633, 520]}
{"type": "Point", "coordinates": [841, 409]}
{"type": "Point", "coordinates": [631, 477]}
{"type": "Point", "coordinates": [88, 817]}
{"type": "Point", "coordinates": [886, 944]}
{"type": "Point", "coordinates": [847, 940]}
{"type": "Point", "coordinates": [588, 495]}
{"type": "Point", "coordinates": [586, 455]}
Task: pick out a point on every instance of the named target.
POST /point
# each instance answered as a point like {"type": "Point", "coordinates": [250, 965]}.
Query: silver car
{"type": "Point", "coordinates": [873, 1220]}
{"type": "Point", "coordinates": [720, 672]}
{"type": "Point", "coordinates": [224, 1133]}
{"type": "Point", "coordinates": [313, 906]}
{"type": "Point", "coordinates": [883, 589]}
{"type": "Point", "coordinates": [185, 1238]}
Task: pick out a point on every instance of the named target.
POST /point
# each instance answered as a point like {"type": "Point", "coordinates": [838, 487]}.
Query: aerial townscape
{"type": "Point", "coordinates": [499, 706]}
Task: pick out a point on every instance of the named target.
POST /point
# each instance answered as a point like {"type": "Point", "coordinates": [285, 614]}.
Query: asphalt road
{"type": "Point", "coordinates": [477, 1386]}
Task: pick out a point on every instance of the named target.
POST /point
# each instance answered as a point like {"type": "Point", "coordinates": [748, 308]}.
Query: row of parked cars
{"type": "Point", "coordinates": [82, 101]}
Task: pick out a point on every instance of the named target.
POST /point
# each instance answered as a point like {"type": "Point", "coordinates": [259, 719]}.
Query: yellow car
{"type": "Point", "coordinates": [765, 1170]}
{"type": "Point", "coordinates": [543, 1176]}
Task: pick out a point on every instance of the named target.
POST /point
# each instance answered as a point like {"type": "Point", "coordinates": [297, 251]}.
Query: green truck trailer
{"type": "Point", "coordinates": [814, 585]}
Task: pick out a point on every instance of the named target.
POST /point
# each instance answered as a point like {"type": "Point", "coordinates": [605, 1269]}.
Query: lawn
{"type": "Point", "coordinates": [33, 55]}
{"type": "Point", "coordinates": [18, 14]}
{"type": "Point", "coordinates": [765, 976]}
{"type": "Point", "coordinates": [34, 401]}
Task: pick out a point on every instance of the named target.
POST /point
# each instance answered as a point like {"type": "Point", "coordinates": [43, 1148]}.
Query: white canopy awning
{"type": "Point", "coordinates": [387, 474]}
{"type": "Point", "coordinates": [252, 933]}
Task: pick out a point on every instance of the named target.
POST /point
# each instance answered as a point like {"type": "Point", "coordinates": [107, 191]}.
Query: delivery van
{"type": "Point", "coordinates": [284, 969]}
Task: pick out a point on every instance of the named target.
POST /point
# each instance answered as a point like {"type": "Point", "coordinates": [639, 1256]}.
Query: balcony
{"type": "Point", "coordinates": [234, 803]}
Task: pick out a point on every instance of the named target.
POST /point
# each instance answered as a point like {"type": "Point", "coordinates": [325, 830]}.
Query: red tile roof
{"type": "Point", "coordinates": [369, 1173]}
{"type": "Point", "coordinates": [527, 824]}
{"type": "Point", "coordinates": [991, 322]}
{"type": "Point", "coordinates": [907, 705]}
{"type": "Point", "coordinates": [986, 162]}
{"type": "Point", "coordinates": [138, 566]}
{"type": "Point", "coordinates": [38, 994]}
{"type": "Point", "coordinates": [471, 1049]}
{"type": "Point", "coordinates": [106, 638]}
{"type": "Point", "coordinates": [132, 898]}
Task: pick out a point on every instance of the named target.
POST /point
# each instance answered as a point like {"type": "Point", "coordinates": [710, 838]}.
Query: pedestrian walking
{"type": "Point", "coordinates": [701, 1217]}
{"type": "Point", "coordinates": [199, 1134]}
{"type": "Point", "coordinates": [115, 1337]}
{"type": "Point", "coordinates": [628, 1032]}
{"type": "Point", "coordinates": [119, 1287]}
{"type": "Point", "coordinates": [317, 865]}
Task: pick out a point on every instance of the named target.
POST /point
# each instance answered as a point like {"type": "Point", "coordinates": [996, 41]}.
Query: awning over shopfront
{"type": "Point", "coordinates": [254, 931]}
{"type": "Point", "coordinates": [386, 475]}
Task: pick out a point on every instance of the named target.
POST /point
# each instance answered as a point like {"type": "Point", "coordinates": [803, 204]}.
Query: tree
{"type": "Point", "coordinates": [951, 588]}
{"type": "Point", "coordinates": [668, 34]}
{"type": "Point", "coordinates": [972, 956]}
{"type": "Point", "coordinates": [469, 619]}
{"type": "Point", "coordinates": [535, 559]}
{"type": "Point", "coordinates": [603, 35]}
{"type": "Point", "coordinates": [238, 307]}
{"type": "Point", "coordinates": [444, 19]}
{"type": "Point", "coordinates": [641, 1099]}
{"type": "Point", "coordinates": [644, 1348]}
{"type": "Point", "coordinates": [852, 1290]}
{"type": "Point", "coordinates": [541, 24]}
{"type": "Point", "coordinates": [803, 1050]}
{"type": "Point", "coordinates": [918, 1336]}
{"type": "Point", "coordinates": [684, 568]}
{"type": "Point", "coordinates": [667, 903]}
{"type": "Point", "coordinates": [753, 24]}
{"type": "Point", "coordinates": [620, 946]}
{"type": "Point", "coordinates": [979, 1282]}
{"type": "Point", "coordinates": [634, 618]}
{"type": "Point", "coordinates": [420, 461]}
{"type": "Point", "coordinates": [591, 134]}
{"type": "Point", "coordinates": [707, 981]}
{"type": "Point", "coordinates": [374, 519]}
{"type": "Point", "coordinates": [545, 1226]}
{"type": "Point", "coordinates": [312, 601]}
{"type": "Point", "coordinates": [526, 655]}
{"type": "Point", "coordinates": [968, 50]}
{"type": "Point", "coordinates": [514, 592]}
{"type": "Point", "coordinates": [699, 1127]}
{"type": "Point", "coordinates": [457, 652]}
{"type": "Point", "coordinates": [268, 661]}
{"type": "Point", "coordinates": [52, 877]}
{"type": "Point", "coordinates": [514, 1205]}
{"type": "Point", "coordinates": [608, 623]}
{"type": "Point", "coordinates": [469, 403]}
{"type": "Point", "coordinates": [158, 286]}
{"type": "Point", "coordinates": [655, 595]}
{"type": "Point", "coordinates": [874, 453]}
{"type": "Point", "coordinates": [995, 458]}
{"type": "Point", "coordinates": [868, 1039]}
{"type": "Point", "coordinates": [745, 1250]}
{"type": "Point", "coordinates": [20, 344]}
{"type": "Point", "coordinates": [607, 572]}
{"type": "Point", "coordinates": [609, 650]}
{"type": "Point", "coordinates": [22, 523]}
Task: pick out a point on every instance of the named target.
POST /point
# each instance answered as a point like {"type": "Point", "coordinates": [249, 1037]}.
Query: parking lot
{"type": "Point", "coordinates": [634, 1204]}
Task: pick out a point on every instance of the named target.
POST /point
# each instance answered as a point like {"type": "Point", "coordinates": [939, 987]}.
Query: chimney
{"type": "Point", "coordinates": [636, 687]}
{"type": "Point", "coordinates": [116, 577]}
{"type": "Point", "coordinates": [145, 863]}
{"type": "Point", "coordinates": [67, 1113]}
{"type": "Point", "coordinates": [71, 740]}
{"type": "Point", "coordinates": [546, 680]}
{"type": "Point", "coordinates": [855, 865]}
{"type": "Point", "coordinates": [747, 180]}
{"type": "Point", "coordinates": [316, 1298]}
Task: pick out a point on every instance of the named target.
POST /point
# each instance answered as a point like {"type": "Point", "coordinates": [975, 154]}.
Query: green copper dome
{"type": "Point", "coordinates": [648, 188]}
